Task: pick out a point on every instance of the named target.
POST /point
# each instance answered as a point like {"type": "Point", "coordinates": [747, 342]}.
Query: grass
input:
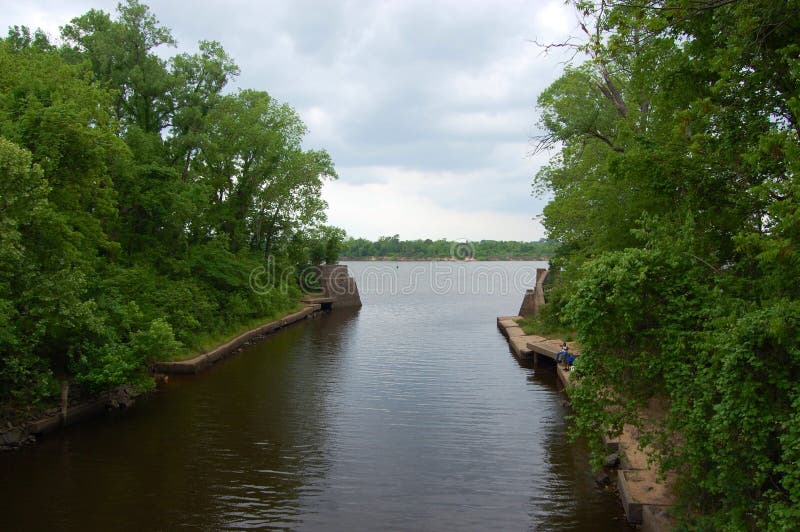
{"type": "Point", "coordinates": [206, 341]}
{"type": "Point", "coordinates": [540, 327]}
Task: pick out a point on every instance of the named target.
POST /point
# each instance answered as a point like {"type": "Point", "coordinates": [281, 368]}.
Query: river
{"type": "Point", "coordinates": [408, 414]}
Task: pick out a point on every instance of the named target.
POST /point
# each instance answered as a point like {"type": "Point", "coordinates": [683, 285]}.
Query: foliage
{"type": "Point", "coordinates": [541, 326]}
{"type": "Point", "coordinates": [136, 198]}
{"type": "Point", "coordinates": [393, 247]}
{"type": "Point", "coordinates": [676, 214]}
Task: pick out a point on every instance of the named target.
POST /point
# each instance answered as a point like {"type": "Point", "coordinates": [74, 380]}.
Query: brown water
{"type": "Point", "coordinates": [410, 414]}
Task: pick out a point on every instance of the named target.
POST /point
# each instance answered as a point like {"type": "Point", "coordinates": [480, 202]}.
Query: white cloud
{"type": "Point", "coordinates": [398, 207]}
{"type": "Point", "coordinates": [425, 107]}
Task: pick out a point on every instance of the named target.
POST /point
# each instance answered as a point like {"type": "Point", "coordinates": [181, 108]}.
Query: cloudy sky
{"type": "Point", "coordinates": [426, 107]}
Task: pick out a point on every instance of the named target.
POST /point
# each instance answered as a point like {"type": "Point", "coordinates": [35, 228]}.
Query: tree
{"type": "Point", "coordinates": [122, 54]}
{"type": "Point", "coordinates": [137, 199]}
{"type": "Point", "coordinates": [675, 211]}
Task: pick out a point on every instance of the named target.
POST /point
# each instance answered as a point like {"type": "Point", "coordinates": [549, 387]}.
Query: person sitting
{"type": "Point", "coordinates": [561, 356]}
{"type": "Point", "coordinates": [570, 360]}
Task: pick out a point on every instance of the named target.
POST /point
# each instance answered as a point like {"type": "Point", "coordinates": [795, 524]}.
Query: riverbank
{"type": "Point", "coordinates": [203, 361]}
{"type": "Point", "coordinates": [28, 431]}
{"type": "Point", "coordinates": [493, 258]}
{"type": "Point", "coordinates": [645, 497]}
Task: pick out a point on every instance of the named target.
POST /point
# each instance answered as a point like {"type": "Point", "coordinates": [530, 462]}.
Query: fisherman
{"type": "Point", "coordinates": [561, 356]}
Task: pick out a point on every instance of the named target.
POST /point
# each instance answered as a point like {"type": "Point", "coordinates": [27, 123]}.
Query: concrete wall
{"type": "Point", "coordinates": [337, 283]}
{"type": "Point", "coordinates": [534, 299]}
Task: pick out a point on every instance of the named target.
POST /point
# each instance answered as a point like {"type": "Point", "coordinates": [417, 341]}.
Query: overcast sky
{"type": "Point", "coordinates": [426, 107]}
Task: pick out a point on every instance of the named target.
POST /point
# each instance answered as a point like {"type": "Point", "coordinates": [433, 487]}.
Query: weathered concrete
{"type": "Point", "coordinates": [205, 360]}
{"type": "Point", "coordinates": [550, 347]}
{"type": "Point", "coordinates": [517, 339]}
{"type": "Point", "coordinates": [506, 322]}
{"type": "Point", "coordinates": [612, 444]}
{"type": "Point", "coordinates": [528, 307]}
{"type": "Point", "coordinates": [529, 347]}
{"type": "Point", "coordinates": [657, 519]}
{"type": "Point", "coordinates": [124, 396]}
{"type": "Point", "coordinates": [67, 415]}
{"type": "Point", "coordinates": [337, 284]}
{"type": "Point", "coordinates": [640, 487]}
{"type": "Point", "coordinates": [645, 497]}
{"type": "Point", "coordinates": [45, 425]}
{"type": "Point", "coordinates": [534, 299]}
{"type": "Point", "coordinates": [514, 332]}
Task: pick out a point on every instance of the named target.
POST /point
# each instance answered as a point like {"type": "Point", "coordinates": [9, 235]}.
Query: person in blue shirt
{"type": "Point", "coordinates": [561, 356]}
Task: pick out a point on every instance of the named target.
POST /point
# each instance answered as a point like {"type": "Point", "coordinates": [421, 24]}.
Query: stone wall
{"type": "Point", "coordinates": [336, 283]}
{"type": "Point", "coordinates": [534, 299]}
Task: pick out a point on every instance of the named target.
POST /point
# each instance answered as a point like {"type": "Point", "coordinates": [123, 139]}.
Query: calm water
{"type": "Point", "coordinates": [409, 414]}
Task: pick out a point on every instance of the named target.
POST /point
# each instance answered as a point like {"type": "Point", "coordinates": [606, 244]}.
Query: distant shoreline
{"type": "Point", "coordinates": [441, 259]}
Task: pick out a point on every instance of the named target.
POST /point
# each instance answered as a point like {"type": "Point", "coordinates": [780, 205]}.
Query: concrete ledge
{"type": "Point", "coordinates": [657, 519]}
{"type": "Point", "coordinates": [547, 347]}
{"type": "Point", "coordinates": [638, 488]}
{"type": "Point", "coordinates": [612, 444]}
{"type": "Point", "coordinates": [205, 360]}
{"type": "Point", "coordinates": [84, 411]}
{"type": "Point", "coordinates": [506, 322]}
{"type": "Point", "coordinates": [125, 396]}
{"type": "Point", "coordinates": [519, 344]}
{"type": "Point", "coordinates": [563, 375]}
{"type": "Point", "coordinates": [645, 499]}
{"type": "Point", "coordinates": [632, 507]}
{"type": "Point", "coordinates": [514, 331]}
{"type": "Point", "coordinates": [44, 426]}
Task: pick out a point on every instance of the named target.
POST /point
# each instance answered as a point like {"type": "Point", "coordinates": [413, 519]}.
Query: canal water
{"type": "Point", "coordinates": [408, 414]}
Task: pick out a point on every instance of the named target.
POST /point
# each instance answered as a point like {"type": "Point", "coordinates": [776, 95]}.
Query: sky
{"type": "Point", "coordinates": [427, 108]}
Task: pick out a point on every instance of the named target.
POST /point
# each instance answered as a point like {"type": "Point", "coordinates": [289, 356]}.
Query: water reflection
{"type": "Point", "coordinates": [408, 414]}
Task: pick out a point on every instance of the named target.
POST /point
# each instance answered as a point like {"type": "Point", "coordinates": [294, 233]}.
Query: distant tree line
{"type": "Point", "coordinates": [675, 178]}
{"type": "Point", "coordinates": [392, 247]}
{"type": "Point", "coordinates": [136, 196]}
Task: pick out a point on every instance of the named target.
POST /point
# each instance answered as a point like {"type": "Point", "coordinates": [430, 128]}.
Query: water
{"type": "Point", "coordinates": [410, 414]}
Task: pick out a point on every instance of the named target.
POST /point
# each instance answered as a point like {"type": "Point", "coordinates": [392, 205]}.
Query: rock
{"type": "Point", "coordinates": [602, 479]}
{"type": "Point", "coordinates": [611, 460]}
{"type": "Point", "coordinates": [12, 438]}
{"type": "Point", "coordinates": [122, 397]}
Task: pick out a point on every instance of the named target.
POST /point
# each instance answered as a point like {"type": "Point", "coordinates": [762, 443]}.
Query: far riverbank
{"type": "Point", "coordinates": [443, 259]}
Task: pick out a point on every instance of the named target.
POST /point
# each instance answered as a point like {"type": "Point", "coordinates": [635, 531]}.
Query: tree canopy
{"type": "Point", "coordinates": [676, 211]}
{"type": "Point", "coordinates": [137, 194]}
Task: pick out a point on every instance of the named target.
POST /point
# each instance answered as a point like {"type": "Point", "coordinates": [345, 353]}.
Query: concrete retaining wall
{"type": "Point", "coordinates": [645, 498]}
{"type": "Point", "coordinates": [125, 396]}
{"type": "Point", "coordinates": [337, 283]}
{"type": "Point", "coordinates": [205, 360]}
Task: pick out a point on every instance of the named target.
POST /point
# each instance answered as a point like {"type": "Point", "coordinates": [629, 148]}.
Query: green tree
{"type": "Point", "coordinates": [136, 200]}
{"type": "Point", "coordinates": [675, 211]}
{"type": "Point", "coordinates": [122, 54]}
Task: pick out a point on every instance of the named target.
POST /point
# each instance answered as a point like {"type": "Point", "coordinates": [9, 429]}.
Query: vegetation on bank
{"type": "Point", "coordinates": [138, 202]}
{"type": "Point", "coordinates": [677, 214]}
{"type": "Point", "coordinates": [391, 247]}
{"type": "Point", "coordinates": [543, 326]}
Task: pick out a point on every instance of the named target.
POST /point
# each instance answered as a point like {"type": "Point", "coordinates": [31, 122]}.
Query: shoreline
{"type": "Point", "coordinates": [645, 499]}
{"type": "Point", "coordinates": [443, 259]}
{"type": "Point", "coordinates": [201, 362]}
{"type": "Point", "coordinates": [125, 396]}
